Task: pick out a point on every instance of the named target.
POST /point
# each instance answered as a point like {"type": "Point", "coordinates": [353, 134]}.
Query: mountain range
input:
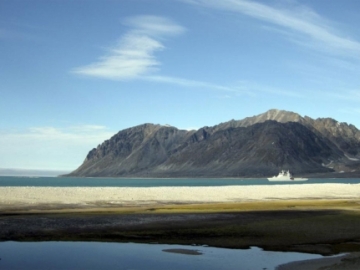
{"type": "Point", "coordinates": [257, 146]}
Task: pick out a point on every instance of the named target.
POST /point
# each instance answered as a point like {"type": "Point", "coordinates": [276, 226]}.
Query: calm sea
{"type": "Point", "coordinates": [151, 182]}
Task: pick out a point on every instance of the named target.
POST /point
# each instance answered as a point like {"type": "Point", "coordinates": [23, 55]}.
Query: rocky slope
{"type": "Point", "coordinates": [256, 146]}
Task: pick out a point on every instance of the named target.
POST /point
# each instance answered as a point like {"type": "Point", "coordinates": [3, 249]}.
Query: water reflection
{"type": "Point", "coordinates": [95, 255]}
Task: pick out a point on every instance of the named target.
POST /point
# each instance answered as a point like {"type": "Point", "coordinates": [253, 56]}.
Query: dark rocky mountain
{"type": "Point", "coordinates": [256, 146]}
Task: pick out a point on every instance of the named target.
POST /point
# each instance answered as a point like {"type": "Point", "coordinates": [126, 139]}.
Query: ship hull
{"type": "Point", "coordinates": [288, 180]}
{"type": "Point", "coordinates": [287, 177]}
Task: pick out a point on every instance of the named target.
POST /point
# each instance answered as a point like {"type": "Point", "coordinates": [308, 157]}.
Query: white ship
{"type": "Point", "coordinates": [285, 176]}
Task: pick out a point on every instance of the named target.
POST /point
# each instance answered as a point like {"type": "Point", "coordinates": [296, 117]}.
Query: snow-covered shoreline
{"type": "Point", "coordinates": [13, 196]}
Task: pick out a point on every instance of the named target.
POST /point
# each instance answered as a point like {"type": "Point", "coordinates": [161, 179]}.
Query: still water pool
{"type": "Point", "coordinates": [96, 255]}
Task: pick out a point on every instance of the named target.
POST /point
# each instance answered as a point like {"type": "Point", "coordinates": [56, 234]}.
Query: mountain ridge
{"type": "Point", "coordinates": [256, 146]}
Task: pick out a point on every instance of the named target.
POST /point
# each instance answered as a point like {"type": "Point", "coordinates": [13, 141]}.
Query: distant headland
{"type": "Point", "coordinates": [257, 146]}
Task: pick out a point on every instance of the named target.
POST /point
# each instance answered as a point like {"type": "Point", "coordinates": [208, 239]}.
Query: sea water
{"type": "Point", "coordinates": [95, 255]}
{"type": "Point", "coordinates": [153, 182]}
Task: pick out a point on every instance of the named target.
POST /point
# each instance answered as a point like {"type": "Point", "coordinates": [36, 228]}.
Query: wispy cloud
{"type": "Point", "coordinates": [134, 54]}
{"type": "Point", "coordinates": [300, 23]}
{"type": "Point", "coordinates": [79, 134]}
{"type": "Point", "coordinates": [348, 95]}
{"type": "Point", "coordinates": [240, 88]}
{"type": "Point", "coordinates": [194, 83]}
{"type": "Point", "coordinates": [49, 147]}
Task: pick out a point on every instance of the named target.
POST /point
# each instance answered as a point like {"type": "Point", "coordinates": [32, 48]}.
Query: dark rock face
{"type": "Point", "coordinates": [254, 147]}
{"type": "Point", "coordinates": [346, 137]}
{"type": "Point", "coordinates": [131, 151]}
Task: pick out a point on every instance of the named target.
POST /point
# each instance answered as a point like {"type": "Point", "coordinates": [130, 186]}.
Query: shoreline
{"type": "Point", "coordinates": [304, 218]}
{"type": "Point", "coordinates": [118, 196]}
{"type": "Point", "coordinates": [333, 175]}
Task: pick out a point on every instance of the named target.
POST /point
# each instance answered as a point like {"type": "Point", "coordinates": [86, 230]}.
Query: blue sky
{"type": "Point", "coordinates": [75, 72]}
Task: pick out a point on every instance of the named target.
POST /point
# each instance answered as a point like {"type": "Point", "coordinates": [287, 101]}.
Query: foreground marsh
{"type": "Point", "coordinates": [286, 218]}
{"type": "Point", "coordinates": [324, 227]}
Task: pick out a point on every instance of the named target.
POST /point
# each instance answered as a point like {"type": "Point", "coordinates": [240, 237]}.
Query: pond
{"type": "Point", "coordinates": [99, 255]}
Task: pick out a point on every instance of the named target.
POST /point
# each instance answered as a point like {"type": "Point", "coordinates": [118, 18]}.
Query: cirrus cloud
{"type": "Point", "coordinates": [49, 148]}
{"type": "Point", "coordinates": [134, 54]}
{"type": "Point", "coordinates": [299, 23]}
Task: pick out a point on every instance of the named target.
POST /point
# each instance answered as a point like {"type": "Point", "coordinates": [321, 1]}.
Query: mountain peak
{"type": "Point", "coordinates": [255, 146]}
{"type": "Point", "coordinates": [281, 116]}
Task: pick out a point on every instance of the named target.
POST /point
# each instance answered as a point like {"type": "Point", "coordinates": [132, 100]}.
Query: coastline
{"type": "Point", "coordinates": [305, 218]}
{"type": "Point", "coordinates": [13, 197]}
